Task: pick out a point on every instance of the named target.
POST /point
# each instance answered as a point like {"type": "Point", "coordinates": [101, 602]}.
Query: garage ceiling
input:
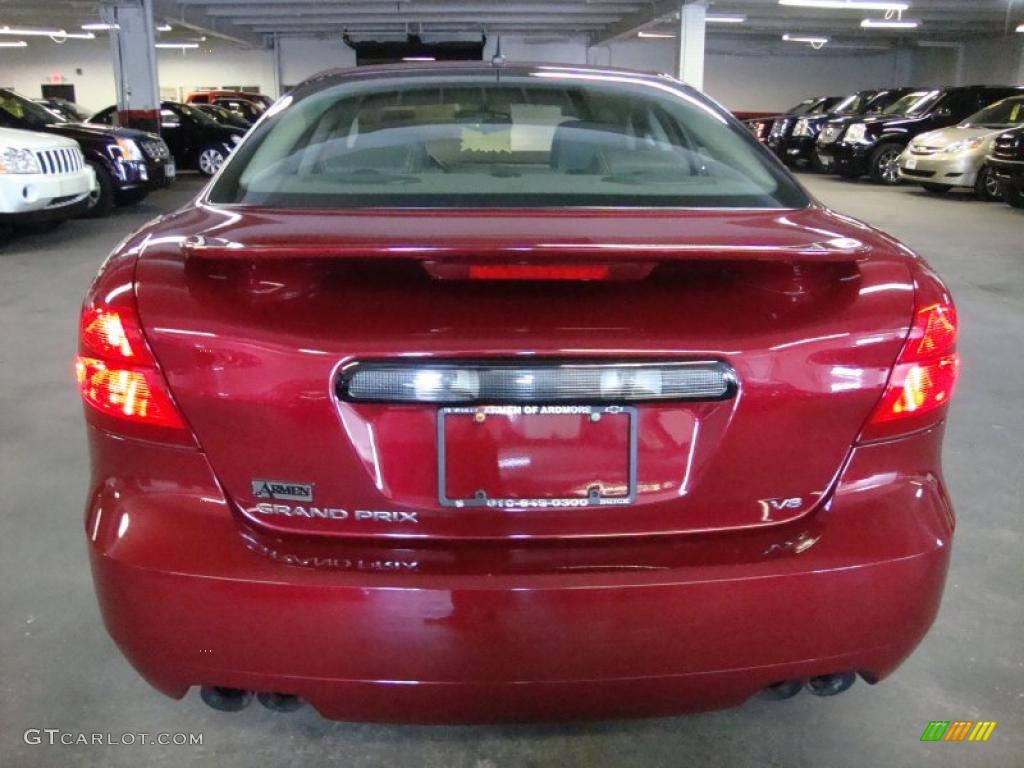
{"type": "Point", "coordinates": [252, 21]}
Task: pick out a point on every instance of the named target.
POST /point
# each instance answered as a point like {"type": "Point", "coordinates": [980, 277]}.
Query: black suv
{"type": "Point", "coordinates": [783, 126]}
{"type": "Point", "coordinates": [196, 140]}
{"type": "Point", "coordinates": [1007, 164]}
{"type": "Point", "coordinates": [799, 148]}
{"type": "Point", "coordinates": [128, 163]}
{"type": "Point", "coordinates": [873, 145]}
{"type": "Point", "coordinates": [762, 126]}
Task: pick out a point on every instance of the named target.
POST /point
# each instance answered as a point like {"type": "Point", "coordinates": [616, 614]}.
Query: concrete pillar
{"type": "Point", "coordinates": [134, 55]}
{"type": "Point", "coordinates": [690, 62]}
{"type": "Point", "coordinates": [278, 85]}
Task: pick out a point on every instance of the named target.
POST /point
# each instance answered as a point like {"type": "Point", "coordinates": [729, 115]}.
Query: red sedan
{"type": "Point", "coordinates": [475, 393]}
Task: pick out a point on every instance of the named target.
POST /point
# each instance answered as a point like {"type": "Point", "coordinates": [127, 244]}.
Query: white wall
{"type": "Point", "coordinates": [739, 74]}
{"type": "Point", "coordinates": [776, 82]}
{"type": "Point", "coordinates": [550, 49]}
{"type": "Point", "coordinates": [87, 65]}
{"type": "Point", "coordinates": [995, 61]}
{"type": "Point", "coordinates": [83, 63]}
{"type": "Point", "coordinates": [768, 79]}
{"type": "Point", "coordinates": [932, 67]}
{"type": "Point", "coordinates": [302, 57]}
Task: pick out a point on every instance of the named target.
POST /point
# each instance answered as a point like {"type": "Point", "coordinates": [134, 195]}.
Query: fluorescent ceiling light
{"type": "Point", "coordinates": [849, 5]}
{"type": "Point", "coordinates": [418, 58]}
{"type": "Point", "coordinates": [45, 32]}
{"type": "Point", "coordinates": [887, 24]}
{"type": "Point", "coordinates": [655, 35]}
{"type": "Point", "coordinates": [165, 27]}
{"type": "Point", "coordinates": [182, 46]}
{"type": "Point", "coordinates": [814, 40]}
{"type": "Point", "coordinates": [99, 26]}
{"type": "Point", "coordinates": [725, 18]}
{"type": "Point", "coordinates": [14, 44]}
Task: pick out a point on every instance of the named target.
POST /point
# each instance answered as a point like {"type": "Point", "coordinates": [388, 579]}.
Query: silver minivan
{"type": "Point", "coordinates": [955, 157]}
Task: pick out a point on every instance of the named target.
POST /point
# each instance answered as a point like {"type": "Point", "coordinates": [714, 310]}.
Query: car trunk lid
{"type": "Point", "coordinates": [256, 323]}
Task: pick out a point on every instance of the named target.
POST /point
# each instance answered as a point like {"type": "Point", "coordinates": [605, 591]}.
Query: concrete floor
{"type": "Point", "coordinates": [58, 668]}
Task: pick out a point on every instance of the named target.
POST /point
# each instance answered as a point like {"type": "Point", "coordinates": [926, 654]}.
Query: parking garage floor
{"type": "Point", "coordinates": [59, 669]}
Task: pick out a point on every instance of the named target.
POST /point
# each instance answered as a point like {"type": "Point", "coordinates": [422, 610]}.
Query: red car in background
{"type": "Point", "coordinates": [211, 97]}
{"type": "Point", "coordinates": [474, 393]}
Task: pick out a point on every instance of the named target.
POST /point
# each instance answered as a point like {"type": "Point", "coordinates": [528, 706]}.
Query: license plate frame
{"type": "Point", "coordinates": [592, 500]}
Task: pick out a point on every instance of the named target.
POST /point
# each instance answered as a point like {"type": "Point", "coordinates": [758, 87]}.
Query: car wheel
{"type": "Point", "coordinates": [210, 160]}
{"type": "Point", "coordinates": [131, 196]}
{"type": "Point", "coordinates": [936, 189]}
{"type": "Point", "coordinates": [101, 199]}
{"type": "Point", "coordinates": [1013, 195]}
{"type": "Point", "coordinates": [986, 186]}
{"type": "Point", "coordinates": [885, 164]}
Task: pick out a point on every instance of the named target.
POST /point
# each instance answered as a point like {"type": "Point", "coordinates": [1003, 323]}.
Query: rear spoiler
{"type": "Point", "coordinates": [836, 250]}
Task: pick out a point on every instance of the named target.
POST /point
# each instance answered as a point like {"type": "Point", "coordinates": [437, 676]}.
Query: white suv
{"type": "Point", "coordinates": [42, 178]}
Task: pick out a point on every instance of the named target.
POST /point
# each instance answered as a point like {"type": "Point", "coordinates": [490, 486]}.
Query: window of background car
{"type": "Point", "coordinates": [1002, 114]}
{"type": "Point", "coordinates": [22, 113]}
{"type": "Point", "coordinates": [546, 139]}
{"type": "Point", "coordinates": [848, 106]}
{"type": "Point", "coordinates": [916, 103]}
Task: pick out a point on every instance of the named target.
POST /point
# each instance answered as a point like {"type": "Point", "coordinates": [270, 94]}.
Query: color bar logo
{"type": "Point", "coordinates": [958, 730]}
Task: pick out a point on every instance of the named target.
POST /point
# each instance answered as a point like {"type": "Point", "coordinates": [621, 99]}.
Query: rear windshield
{"type": "Point", "coordinates": [550, 138]}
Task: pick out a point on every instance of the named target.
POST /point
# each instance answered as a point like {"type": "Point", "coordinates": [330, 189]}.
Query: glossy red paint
{"type": "Point", "coordinates": [812, 339]}
{"type": "Point", "coordinates": [768, 540]}
{"type": "Point", "coordinates": [473, 633]}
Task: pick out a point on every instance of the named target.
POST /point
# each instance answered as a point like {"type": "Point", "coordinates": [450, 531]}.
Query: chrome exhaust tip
{"type": "Point", "coordinates": [785, 689]}
{"type": "Point", "coordinates": [279, 702]}
{"type": "Point", "coordinates": [225, 699]}
{"type": "Point", "coordinates": [832, 684]}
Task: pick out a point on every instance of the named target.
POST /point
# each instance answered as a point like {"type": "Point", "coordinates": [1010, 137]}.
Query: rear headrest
{"type": "Point", "coordinates": [577, 145]}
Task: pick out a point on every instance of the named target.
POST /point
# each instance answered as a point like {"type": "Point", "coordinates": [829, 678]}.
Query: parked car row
{"type": "Point", "coordinates": [940, 138]}
{"type": "Point", "coordinates": [58, 161]}
{"type": "Point", "coordinates": [197, 141]}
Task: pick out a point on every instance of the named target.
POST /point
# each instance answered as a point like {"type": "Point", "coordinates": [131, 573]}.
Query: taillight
{"type": "Point", "coordinates": [923, 379]}
{"type": "Point", "coordinates": [114, 334]}
{"type": "Point", "coordinates": [118, 377]}
{"type": "Point", "coordinates": [125, 394]}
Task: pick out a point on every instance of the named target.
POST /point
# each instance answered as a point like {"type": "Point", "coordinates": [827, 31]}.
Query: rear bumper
{"type": "Point", "coordinates": [488, 633]}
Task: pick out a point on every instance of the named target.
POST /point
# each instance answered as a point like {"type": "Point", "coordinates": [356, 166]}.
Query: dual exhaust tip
{"type": "Point", "coordinates": [237, 699]}
{"type": "Point", "coordinates": [822, 685]}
